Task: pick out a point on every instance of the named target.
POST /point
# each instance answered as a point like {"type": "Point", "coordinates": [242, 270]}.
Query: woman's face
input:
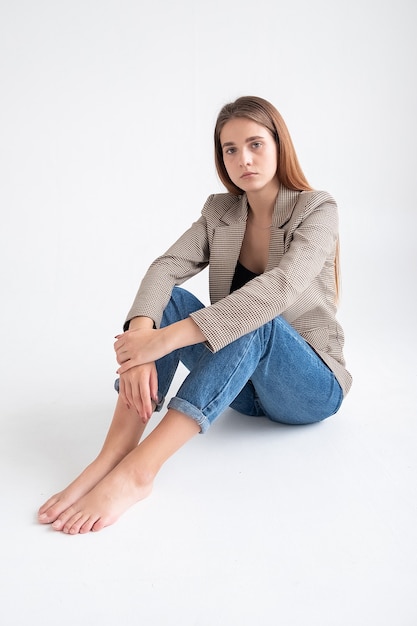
{"type": "Point", "coordinates": [249, 154]}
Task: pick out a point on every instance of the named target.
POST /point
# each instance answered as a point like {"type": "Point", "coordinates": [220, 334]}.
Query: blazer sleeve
{"type": "Point", "coordinates": [309, 253]}
{"type": "Point", "coordinates": [184, 259]}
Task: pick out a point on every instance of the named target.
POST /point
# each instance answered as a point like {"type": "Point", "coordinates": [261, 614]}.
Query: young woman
{"type": "Point", "coordinates": [269, 344]}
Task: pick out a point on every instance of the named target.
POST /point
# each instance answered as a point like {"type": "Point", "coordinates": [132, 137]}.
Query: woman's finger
{"type": "Point", "coordinates": [122, 357]}
{"type": "Point", "coordinates": [122, 392]}
{"type": "Point", "coordinates": [153, 385]}
{"type": "Point", "coordinates": [138, 402]}
{"type": "Point", "coordinates": [141, 386]}
{"type": "Point", "coordinates": [127, 365]}
{"type": "Point", "coordinates": [119, 343]}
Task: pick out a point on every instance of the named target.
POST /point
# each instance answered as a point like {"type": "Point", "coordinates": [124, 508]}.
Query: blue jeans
{"type": "Point", "coordinates": [271, 371]}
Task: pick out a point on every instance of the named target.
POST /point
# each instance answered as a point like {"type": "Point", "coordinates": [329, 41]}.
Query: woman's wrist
{"type": "Point", "coordinates": [141, 322]}
{"type": "Point", "coordinates": [181, 334]}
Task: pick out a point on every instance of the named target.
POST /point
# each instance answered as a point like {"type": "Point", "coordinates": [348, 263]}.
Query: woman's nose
{"type": "Point", "coordinates": [245, 158]}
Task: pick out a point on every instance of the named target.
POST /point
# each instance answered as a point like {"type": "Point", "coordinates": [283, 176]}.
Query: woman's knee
{"type": "Point", "coordinates": [181, 304]}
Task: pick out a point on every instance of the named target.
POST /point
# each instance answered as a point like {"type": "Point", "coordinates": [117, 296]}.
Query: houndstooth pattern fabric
{"type": "Point", "coordinates": [298, 282]}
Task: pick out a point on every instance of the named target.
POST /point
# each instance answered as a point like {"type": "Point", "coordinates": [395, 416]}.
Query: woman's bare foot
{"type": "Point", "coordinates": [112, 496]}
{"type": "Point", "coordinates": [61, 501]}
{"type": "Point", "coordinates": [124, 433]}
{"type": "Point", "coordinates": [101, 503]}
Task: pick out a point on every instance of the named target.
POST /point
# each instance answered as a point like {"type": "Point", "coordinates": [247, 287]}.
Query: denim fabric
{"type": "Point", "coordinates": [270, 372]}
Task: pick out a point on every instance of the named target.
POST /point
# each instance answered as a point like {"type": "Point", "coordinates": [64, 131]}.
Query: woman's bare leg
{"type": "Point", "coordinates": [124, 433]}
{"type": "Point", "coordinates": [131, 480]}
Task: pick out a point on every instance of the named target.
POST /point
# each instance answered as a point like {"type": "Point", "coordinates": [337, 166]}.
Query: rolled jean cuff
{"type": "Point", "coordinates": [160, 404]}
{"type": "Point", "coordinates": [183, 406]}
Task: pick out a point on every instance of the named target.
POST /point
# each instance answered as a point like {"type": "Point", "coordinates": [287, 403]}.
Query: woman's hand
{"type": "Point", "coordinates": [136, 352]}
{"type": "Point", "coordinates": [138, 388]}
{"type": "Point", "coordinates": [145, 345]}
{"type": "Point", "coordinates": [140, 346]}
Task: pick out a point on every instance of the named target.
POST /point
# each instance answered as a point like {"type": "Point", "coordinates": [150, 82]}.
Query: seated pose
{"type": "Point", "coordinates": [269, 343]}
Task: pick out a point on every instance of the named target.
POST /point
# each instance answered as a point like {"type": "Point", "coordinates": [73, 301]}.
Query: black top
{"type": "Point", "coordinates": [241, 277]}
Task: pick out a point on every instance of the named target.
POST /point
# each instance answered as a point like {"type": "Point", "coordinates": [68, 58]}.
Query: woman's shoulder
{"type": "Point", "coordinates": [218, 204]}
{"type": "Point", "coordinates": [316, 205]}
{"type": "Point", "coordinates": [315, 197]}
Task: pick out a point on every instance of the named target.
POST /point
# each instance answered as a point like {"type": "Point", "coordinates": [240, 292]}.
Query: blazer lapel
{"type": "Point", "coordinates": [284, 207]}
{"type": "Point", "coordinates": [228, 238]}
{"type": "Point", "coordinates": [225, 249]}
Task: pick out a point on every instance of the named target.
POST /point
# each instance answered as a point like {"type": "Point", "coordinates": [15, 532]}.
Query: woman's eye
{"type": "Point", "coordinates": [256, 144]}
{"type": "Point", "coordinates": [229, 150]}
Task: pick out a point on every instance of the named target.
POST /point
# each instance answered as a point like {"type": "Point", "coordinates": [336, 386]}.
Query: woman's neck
{"type": "Point", "coordinates": [262, 203]}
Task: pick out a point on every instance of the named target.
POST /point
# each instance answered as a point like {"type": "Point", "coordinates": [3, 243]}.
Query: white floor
{"type": "Point", "coordinates": [252, 523]}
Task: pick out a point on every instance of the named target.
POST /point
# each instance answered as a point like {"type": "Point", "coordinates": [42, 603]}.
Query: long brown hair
{"type": "Point", "coordinates": [262, 112]}
{"type": "Point", "coordinates": [289, 171]}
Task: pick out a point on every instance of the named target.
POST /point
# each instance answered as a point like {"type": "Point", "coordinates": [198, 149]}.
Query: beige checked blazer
{"type": "Point", "coordinates": [298, 283]}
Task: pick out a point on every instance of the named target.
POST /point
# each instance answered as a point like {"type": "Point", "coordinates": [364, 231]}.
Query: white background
{"type": "Point", "coordinates": [106, 119]}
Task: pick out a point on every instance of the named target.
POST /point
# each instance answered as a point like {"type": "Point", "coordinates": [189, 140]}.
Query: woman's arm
{"type": "Point", "coordinates": [140, 322]}
{"type": "Point", "coordinates": [188, 256]}
{"type": "Point", "coordinates": [145, 344]}
{"type": "Point", "coordinates": [138, 387]}
{"type": "Point", "coordinates": [138, 349]}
